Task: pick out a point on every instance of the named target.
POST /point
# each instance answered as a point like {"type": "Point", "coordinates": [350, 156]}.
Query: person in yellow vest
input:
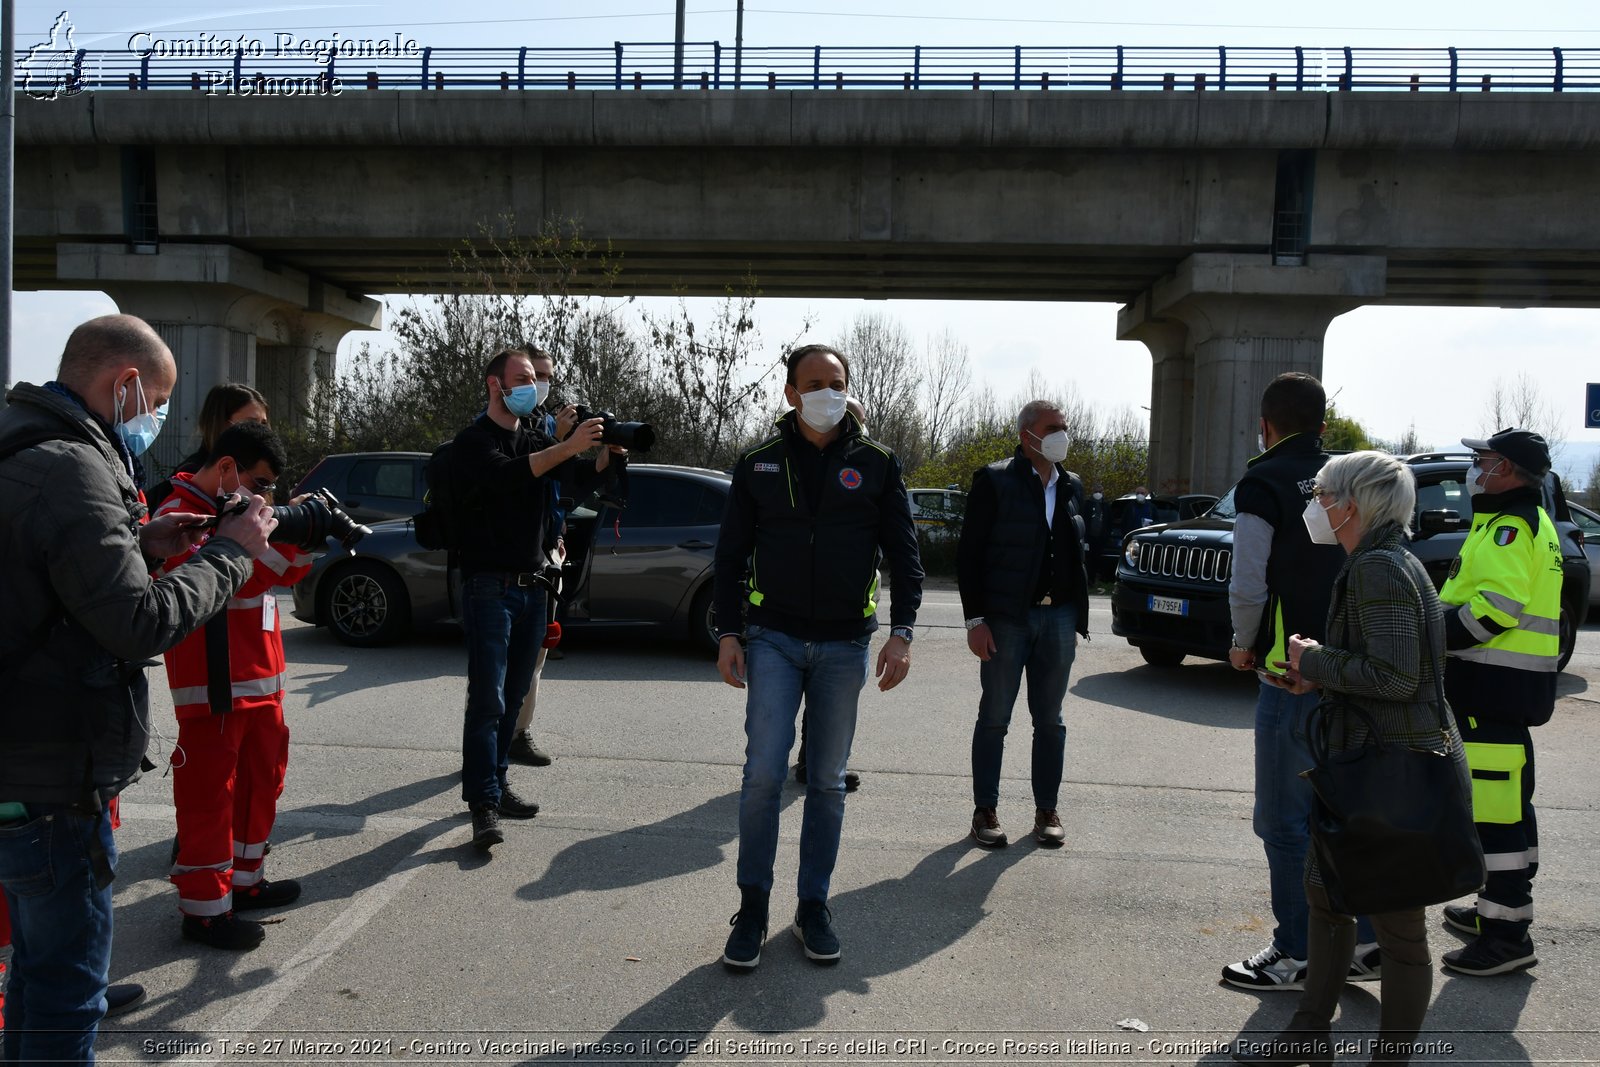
{"type": "Point", "coordinates": [1502, 613]}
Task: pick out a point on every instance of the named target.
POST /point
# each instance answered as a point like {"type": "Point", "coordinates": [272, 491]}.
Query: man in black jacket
{"type": "Point", "coordinates": [503, 470]}
{"type": "Point", "coordinates": [82, 616]}
{"type": "Point", "coordinates": [811, 513]}
{"type": "Point", "coordinates": [1280, 585]}
{"type": "Point", "coordinates": [1021, 566]}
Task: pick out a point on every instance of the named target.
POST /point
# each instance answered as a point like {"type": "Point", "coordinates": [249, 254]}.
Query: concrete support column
{"type": "Point", "coordinates": [1243, 322]}
{"type": "Point", "coordinates": [227, 316]}
{"type": "Point", "coordinates": [1171, 403]}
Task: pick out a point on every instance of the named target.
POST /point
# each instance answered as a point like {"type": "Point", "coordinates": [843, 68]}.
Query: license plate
{"type": "Point", "coordinates": [1167, 605]}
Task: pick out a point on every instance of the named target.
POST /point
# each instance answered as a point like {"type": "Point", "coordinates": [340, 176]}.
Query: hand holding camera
{"type": "Point", "coordinates": [249, 520]}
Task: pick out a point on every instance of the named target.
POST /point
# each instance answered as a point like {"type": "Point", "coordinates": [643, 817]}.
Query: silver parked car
{"type": "Point", "coordinates": [644, 565]}
{"type": "Point", "coordinates": [1588, 523]}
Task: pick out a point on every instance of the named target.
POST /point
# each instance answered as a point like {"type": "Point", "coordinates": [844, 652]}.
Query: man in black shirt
{"type": "Point", "coordinates": [503, 470]}
{"type": "Point", "coordinates": [1024, 590]}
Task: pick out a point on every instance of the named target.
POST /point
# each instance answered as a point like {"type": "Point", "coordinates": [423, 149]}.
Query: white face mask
{"type": "Point", "coordinates": [1261, 443]}
{"type": "Point", "coordinates": [822, 409]}
{"type": "Point", "coordinates": [1319, 526]}
{"type": "Point", "coordinates": [1052, 446]}
{"type": "Point", "coordinates": [1474, 474]}
{"type": "Point", "coordinates": [541, 390]}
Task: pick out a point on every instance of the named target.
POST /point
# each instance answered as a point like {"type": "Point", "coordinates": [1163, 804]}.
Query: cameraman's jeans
{"type": "Point", "coordinates": [1282, 815]}
{"type": "Point", "coordinates": [779, 670]}
{"type": "Point", "coordinates": [505, 626]}
{"type": "Point", "coordinates": [60, 934]}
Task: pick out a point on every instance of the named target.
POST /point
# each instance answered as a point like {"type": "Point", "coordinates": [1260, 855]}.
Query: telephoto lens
{"type": "Point", "coordinates": [634, 436]}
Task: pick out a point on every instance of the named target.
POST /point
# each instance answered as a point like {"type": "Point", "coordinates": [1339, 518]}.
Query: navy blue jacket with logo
{"type": "Point", "coordinates": [813, 573]}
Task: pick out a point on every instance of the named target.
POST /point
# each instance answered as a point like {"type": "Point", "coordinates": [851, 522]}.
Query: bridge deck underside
{"type": "Point", "coordinates": [882, 271]}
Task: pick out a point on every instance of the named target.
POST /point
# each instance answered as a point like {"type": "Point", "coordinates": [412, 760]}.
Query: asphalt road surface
{"type": "Point", "coordinates": [594, 933]}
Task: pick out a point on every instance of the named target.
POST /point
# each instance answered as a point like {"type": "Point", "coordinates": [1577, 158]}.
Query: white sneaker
{"type": "Point", "coordinates": [1367, 964]}
{"type": "Point", "coordinates": [1268, 971]}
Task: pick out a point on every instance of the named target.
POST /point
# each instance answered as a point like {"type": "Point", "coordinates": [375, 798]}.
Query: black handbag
{"type": "Point", "coordinates": [1391, 825]}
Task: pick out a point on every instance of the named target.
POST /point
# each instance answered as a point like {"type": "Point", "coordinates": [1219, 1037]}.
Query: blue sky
{"type": "Point", "coordinates": [1389, 367]}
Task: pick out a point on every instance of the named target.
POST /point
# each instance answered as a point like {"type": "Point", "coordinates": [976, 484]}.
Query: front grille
{"type": "Point", "coordinates": [1191, 562]}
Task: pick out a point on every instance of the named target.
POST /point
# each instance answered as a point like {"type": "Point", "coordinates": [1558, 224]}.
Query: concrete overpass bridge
{"type": "Point", "coordinates": [1231, 226]}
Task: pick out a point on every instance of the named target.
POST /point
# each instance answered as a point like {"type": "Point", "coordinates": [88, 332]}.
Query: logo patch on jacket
{"type": "Point", "coordinates": [1504, 535]}
{"type": "Point", "coordinates": [850, 478]}
{"type": "Point", "coordinates": [767, 468]}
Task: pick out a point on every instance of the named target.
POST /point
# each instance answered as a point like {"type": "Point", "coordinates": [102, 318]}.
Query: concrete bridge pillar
{"type": "Point", "coordinates": [1242, 322]}
{"type": "Point", "coordinates": [227, 316]}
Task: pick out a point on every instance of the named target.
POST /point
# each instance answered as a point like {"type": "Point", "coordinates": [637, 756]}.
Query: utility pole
{"type": "Point", "coordinates": [738, 45]}
{"type": "Point", "coordinates": [8, 157]}
{"type": "Point", "coordinates": [677, 50]}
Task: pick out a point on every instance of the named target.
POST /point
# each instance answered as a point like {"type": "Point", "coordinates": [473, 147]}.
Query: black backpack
{"type": "Point", "coordinates": [438, 524]}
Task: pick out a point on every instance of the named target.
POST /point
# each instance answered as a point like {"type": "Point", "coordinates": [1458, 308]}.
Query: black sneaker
{"type": "Point", "coordinates": [524, 751]}
{"type": "Point", "coordinates": [224, 931]}
{"type": "Point", "coordinates": [265, 894]}
{"type": "Point", "coordinates": [743, 950]}
{"type": "Point", "coordinates": [1484, 956]}
{"type": "Point", "coordinates": [1463, 917]}
{"type": "Point", "coordinates": [514, 807]}
{"type": "Point", "coordinates": [486, 827]}
{"type": "Point", "coordinates": [1269, 970]}
{"type": "Point", "coordinates": [813, 925]}
{"type": "Point", "coordinates": [852, 781]}
{"type": "Point", "coordinates": [124, 996]}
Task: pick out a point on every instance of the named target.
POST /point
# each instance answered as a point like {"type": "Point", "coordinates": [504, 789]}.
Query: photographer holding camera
{"type": "Point", "coordinates": [503, 472]}
{"type": "Point", "coordinates": [81, 614]}
{"type": "Point", "coordinates": [227, 690]}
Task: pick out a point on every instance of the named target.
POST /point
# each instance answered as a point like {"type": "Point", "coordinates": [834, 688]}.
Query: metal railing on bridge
{"type": "Point", "coordinates": [712, 65]}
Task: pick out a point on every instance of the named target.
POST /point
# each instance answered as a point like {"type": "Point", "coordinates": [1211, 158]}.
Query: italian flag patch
{"type": "Point", "coordinates": [1504, 535]}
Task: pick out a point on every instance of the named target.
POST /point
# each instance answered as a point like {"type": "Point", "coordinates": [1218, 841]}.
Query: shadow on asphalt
{"type": "Point", "coordinates": [885, 928]}
{"type": "Point", "coordinates": [1459, 1008]}
{"type": "Point", "coordinates": [1210, 694]}
{"type": "Point", "coordinates": [692, 840]}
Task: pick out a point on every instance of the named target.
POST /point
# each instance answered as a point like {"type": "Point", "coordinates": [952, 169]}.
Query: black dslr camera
{"type": "Point", "coordinates": [306, 525]}
{"type": "Point", "coordinates": [635, 436]}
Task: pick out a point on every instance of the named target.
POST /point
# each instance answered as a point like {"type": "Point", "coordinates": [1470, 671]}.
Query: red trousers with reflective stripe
{"type": "Point", "coordinates": [227, 774]}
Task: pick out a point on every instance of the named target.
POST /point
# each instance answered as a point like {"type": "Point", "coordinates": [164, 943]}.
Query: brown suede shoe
{"type": "Point", "coordinates": [1047, 829]}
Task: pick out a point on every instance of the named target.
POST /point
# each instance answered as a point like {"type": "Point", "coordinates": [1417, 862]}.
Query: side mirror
{"type": "Point", "coordinates": [1441, 521]}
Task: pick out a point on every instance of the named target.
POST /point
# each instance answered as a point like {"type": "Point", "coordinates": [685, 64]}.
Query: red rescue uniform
{"type": "Point", "coordinates": [233, 746]}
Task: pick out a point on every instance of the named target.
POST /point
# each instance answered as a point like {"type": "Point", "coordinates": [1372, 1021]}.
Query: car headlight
{"type": "Point", "coordinates": [1131, 554]}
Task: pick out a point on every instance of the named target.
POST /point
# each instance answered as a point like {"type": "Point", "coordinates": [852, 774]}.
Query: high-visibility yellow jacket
{"type": "Point", "coordinates": [1503, 611]}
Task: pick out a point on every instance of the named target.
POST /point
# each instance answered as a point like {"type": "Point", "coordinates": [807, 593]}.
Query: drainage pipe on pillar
{"type": "Point", "coordinates": [8, 129]}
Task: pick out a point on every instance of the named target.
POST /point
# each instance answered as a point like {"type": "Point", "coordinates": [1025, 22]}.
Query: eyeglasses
{"type": "Point", "coordinates": [1320, 491]}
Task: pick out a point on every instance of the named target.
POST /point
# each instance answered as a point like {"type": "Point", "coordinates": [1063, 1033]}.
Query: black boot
{"type": "Point", "coordinates": [749, 923]}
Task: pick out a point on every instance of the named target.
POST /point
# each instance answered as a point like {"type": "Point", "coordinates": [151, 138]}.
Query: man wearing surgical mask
{"type": "Point", "coordinates": [812, 513]}
{"type": "Point", "coordinates": [502, 468]}
{"type": "Point", "coordinates": [82, 616]}
{"type": "Point", "coordinates": [1021, 566]}
{"type": "Point", "coordinates": [1280, 584]}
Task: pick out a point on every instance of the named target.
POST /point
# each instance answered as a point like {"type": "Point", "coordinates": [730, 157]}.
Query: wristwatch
{"type": "Point", "coordinates": [904, 633]}
{"type": "Point", "coordinates": [973, 623]}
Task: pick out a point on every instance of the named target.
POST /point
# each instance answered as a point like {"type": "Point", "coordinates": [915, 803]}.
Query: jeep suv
{"type": "Point", "coordinates": [1171, 596]}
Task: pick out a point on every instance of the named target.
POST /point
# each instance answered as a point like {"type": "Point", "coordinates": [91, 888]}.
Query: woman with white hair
{"type": "Point", "coordinates": [1385, 652]}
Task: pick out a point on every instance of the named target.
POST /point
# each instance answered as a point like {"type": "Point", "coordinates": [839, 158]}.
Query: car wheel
{"type": "Point", "coordinates": [702, 620]}
{"type": "Point", "coordinates": [367, 605]}
{"type": "Point", "coordinates": [1568, 639]}
{"type": "Point", "coordinates": [1161, 657]}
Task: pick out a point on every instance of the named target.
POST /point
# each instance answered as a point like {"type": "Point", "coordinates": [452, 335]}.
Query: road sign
{"type": "Point", "coordinates": [1591, 407]}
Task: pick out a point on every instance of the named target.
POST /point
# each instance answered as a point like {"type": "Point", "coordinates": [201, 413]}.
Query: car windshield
{"type": "Point", "coordinates": [1223, 509]}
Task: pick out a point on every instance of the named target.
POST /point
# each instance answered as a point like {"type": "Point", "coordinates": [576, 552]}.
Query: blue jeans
{"type": "Point", "coordinates": [505, 626]}
{"type": "Point", "coordinates": [1043, 646]}
{"type": "Point", "coordinates": [779, 670]}
{"type": "Point", "coordinates": [60, 934]}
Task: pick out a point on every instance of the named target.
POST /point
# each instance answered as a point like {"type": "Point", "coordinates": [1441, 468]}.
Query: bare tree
{"type": "Point", "coordinates": [947, 379]}
{"type": "Point", "coordinates": [886, 376]}
{"type": "Point", "coordinates": [1522, 403]}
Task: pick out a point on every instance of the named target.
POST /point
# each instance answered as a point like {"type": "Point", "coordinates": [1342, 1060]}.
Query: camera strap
{"type": "Point", "coordinates": [219, 671]}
